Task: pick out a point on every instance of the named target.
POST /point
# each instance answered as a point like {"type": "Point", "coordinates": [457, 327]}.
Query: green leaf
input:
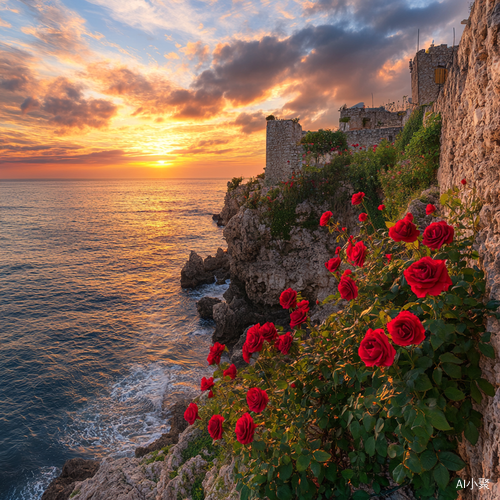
{"type": "Point", "coordinates": [259, 445]}
{"type": "Point", "coordinates": [284, 492]}
{"type": "Point", "coordinates": [285, 471]}
{"type": "Point", "coordinates": [347, 474]}
{"type": "Point", "coordinates": [370, 446]}
{"type": "Point", "coordinates": [355, 429]}
{"type": "Point", "coordinates": [471, 433]}
{"type": "Point", "coordinates": [413, 463]}
{"type": "Point", "coordinates": [368, 422]}
{"type": "Point", "coordinates": [316, 468]}
{"type": "Point", "coordinates": [303, 462]}
{"type": "Point", "coordinates": [399, 473]}
{"type": "Point", "coordinates": [451, 461]}
{"type": "Point", "coordinates": [423, 383]}
{"type": "Point", "coordinates": [441, 476]}
{"type": "Point", "coordinates": [448, 357]}
{"type": "Point", "coordinates": [454, 394]}
{"type": "Point", "coordinates": [438, 420]}
{"type": "Point", "coordinates": [486, 387]}
{"type": "Point", "coordinates": [281, 384]}
{"type": "Point", "coordinates": [437, 375]}
{"type": "Point", "coordinates": [428, 459]}
{"type": "Point", "coordinates": [361, 495]}
{"type": "Point", "coordinates": [487, 350]}
{"type": "Point", "coordinates": [394, 450]}
{"type": "Point", "coordinates": [443, 198]}
{"type": "Point", "coordinates": [452, 370]}
{"type": "Point", "coordinates": [321, 456]}
{"type": "Point", "coordinates": [475, 393]}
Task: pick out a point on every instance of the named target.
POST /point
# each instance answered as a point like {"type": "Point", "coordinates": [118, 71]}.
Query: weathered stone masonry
{"type": "Point", "coordinates": [369, 118]}
{"type": "Point", "coordinates": [469, 105]}
{"type": "Point", "coordinates": [370, 137]}
{"type": "Point", "coordinates": [283, 150]}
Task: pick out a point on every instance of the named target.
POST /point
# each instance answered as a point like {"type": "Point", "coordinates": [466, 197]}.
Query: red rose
{"type": "Point", "coordinates": [430, 209]}
{"type": "Point", "coordinates": [347, 288]}
{"type": "Point", "coordinates": [409, 217]}
{"type": "Point", "coordinates": [428, 277]}
{"type": "Point", "coordinates": [381, 207]}
{"type": "Point", "coordinates": [357, 253]}
{"type": "Point", "coordinates": [357, 198]}
{"type": "Point", "coordinates": [437, 234]}
{"type": "Point", "coordinates": [333, 264]}
{"type": "Point", "coordinates": [257, 399]}
{"type": "Point", "coordinates": [254, 340]}
{"type": "Point", "coordinates": [363, 217]}
{"type": "Point", "coordinates": [325, 218]}
{"type": "Point", "coordinates": [215, 353]}
{"type": "Point", "coordinates": [375, 349]}
{"type": "Point", "coordinates": [210, 394]}
{"type": "Point", "coordinates": [404, 230]}
{"type": "Point", "coordinates": [284, 342]}
{"type": "Point", "coordinates": [215, 426]}
{"type": "Point", "coordinates": [337, 250]}
{"type": "Point", "coordinates": [293, 385]}
{"type": "Point", "coordinates": [191, 413]}
{"type": "Point", "coordinates": [304, 305]}
{"type": "Point", "coordinates": [246, 353]}
{"type": "Point", "coordinates": [463, 181]}
{"type": "Point", "coordinates": [298, 317]}
{"type": "Point", "coordinates": [388, 256]}
{"type": "Point", "coordinates": [406, 329]}
{"type": "Point", "coordinates": [207, 383]}
{"type": "Point", "coordinates": [245, 429]}
{"type": "Point", "coordinates": [268, 331]}
{"type": "Point", "coordinates": [230, 372]}
{"type": "Point", "coordinates": [288, 298]}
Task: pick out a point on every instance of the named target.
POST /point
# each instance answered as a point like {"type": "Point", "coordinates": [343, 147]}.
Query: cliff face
{"type": "Point", "coordinates": [267, 266]}
{"type": "Point", "coordinates": [470, 149]}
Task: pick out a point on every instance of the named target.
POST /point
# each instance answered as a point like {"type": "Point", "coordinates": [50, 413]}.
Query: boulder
{"type": "Point", "coordinates": [418, 206]}
{"type": "Point", "coordinates": [177, 426]}
{"type": "Point", "coordinates": [76, 469]}
{"type": "Point", "coordinates": [197, 271]}
{"type": "Point", "coordinates": [205, 307]}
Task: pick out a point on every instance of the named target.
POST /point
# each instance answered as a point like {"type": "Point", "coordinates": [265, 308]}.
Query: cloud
{"type": "Point", "coordinates": [251, 122]}
{"type": "Point", "coordinates": [4, 24]}
{"type": "Point", "coordinates": [172, 55]}
{"type": "Point", "coordinates": [244, 71]}
{"type": "Point", "coordinates": [29, 104]}
{"type": "Point", "coordinates": [197, 51]}
{"type": "Point", "coordinates": [15, 74]}
{"type": "Point", "coordinates": [59, 31]}
{"type": "Point", "coordinates": [153, 94]}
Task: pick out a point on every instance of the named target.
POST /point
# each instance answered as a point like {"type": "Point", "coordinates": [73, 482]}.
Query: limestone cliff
{"type": "Point", "coordinates": [470, 149]}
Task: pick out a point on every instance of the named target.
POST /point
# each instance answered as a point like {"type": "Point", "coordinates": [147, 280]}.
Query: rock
{"type": "Point", "coordinates": [197, 271]}
{"type": "Point", "coordinates": [219, 483]}
{"type": "Point", "coordinates": [177, 426]}
{"type": "Point", "coordinates": [193, 273]}
{"type": "Point", "coordinates": [469, 104]}
{"type": "Point", "coordinates": [205, 307]}
{"type": "Point", "coordinates": [76, 469]}
{"type": "Point", "coordinates": [418, 206]}
{"type": "Point", "coordinates": [218, 219]}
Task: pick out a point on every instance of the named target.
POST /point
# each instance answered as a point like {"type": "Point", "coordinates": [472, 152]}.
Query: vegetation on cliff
{"type": "Point", "coordinates": [382, 392]}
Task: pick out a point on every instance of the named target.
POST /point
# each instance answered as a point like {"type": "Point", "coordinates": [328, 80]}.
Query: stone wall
{"type": "Point", "coordinates": [370, 137]}
{"type": "Point", "coordinates": [470, 148]}
{"type": "Point", "coordinates": [369, 118]}
{"type": "Point", "coordinates": [423, 87]}
{"type": "Point", "coordinates": [283, 150]}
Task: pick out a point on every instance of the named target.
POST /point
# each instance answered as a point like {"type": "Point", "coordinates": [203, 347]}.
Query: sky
{"type": "Point", "coordinates": [181, 88]}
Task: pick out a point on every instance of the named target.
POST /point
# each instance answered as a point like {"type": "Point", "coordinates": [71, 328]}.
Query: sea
{"type": "Point", "coordinates": [95, 329]}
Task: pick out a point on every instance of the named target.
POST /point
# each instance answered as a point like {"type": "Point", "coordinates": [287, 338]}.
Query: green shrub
{"type": "Point", "coordinates": [234, 183]}
{"type": "Point", "coordinates": [416, 172]}
{"type": "Point", "coordinates": [334, 427]}
{"type": "Point", "coordinates": [324, 141]}
{"type": "Point", "coordinates": [270, 117]}
{"type": "Point", "coordinates": [345, 119]}
{"type": "Point", "coordinates": [364, 170]}
{"type": "Point", "coordinates": [412, 126]}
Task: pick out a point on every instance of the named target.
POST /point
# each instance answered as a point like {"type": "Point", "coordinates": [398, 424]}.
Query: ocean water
{"type": "Point", "coordinates": [94, 326]}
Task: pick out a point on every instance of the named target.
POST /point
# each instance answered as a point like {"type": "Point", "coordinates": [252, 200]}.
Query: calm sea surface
{"type": "Point", "coordinates": [94, 326]}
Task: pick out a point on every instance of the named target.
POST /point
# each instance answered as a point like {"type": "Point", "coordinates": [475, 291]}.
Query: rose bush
{"type": "Point", "coordinates": [385, 386]}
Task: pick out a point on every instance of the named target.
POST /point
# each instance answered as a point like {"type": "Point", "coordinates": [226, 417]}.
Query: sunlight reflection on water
{"type": "Point", "coordinates": [94, 325]}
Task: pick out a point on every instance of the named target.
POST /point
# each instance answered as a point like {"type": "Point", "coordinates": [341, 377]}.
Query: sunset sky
{"type": "Point", "coordinates": [181, 88]}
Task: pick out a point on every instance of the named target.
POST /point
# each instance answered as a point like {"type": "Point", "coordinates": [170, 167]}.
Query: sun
{"type": "Point", "coordinates": [161, 162]}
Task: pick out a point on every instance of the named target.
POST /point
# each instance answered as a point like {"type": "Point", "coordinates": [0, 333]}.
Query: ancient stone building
{"type": "Point", "coordinates": [283, 150]}
{"type": "Point", "coordinates": [369, 118]}
{"type": "Point", "coordinates": [428, 68]}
